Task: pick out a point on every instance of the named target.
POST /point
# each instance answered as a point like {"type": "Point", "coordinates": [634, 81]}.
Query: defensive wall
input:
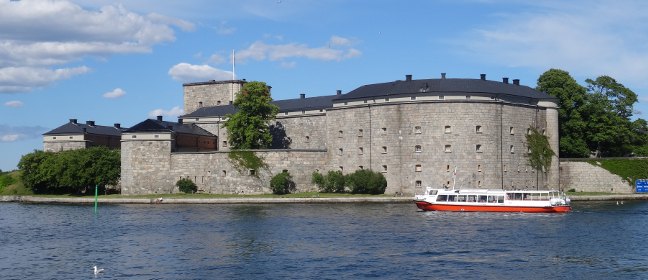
{"type": "Point", "coordinates": [581, 176]}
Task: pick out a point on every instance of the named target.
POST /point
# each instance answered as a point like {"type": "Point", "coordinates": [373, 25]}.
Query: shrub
{"type": "Point", "coordinates": [367, 181]}
{"type": "Point", "coordinates": [332, 182]}
{"type": "Point", "coordinates": [282, 183]}
{"type": "Point", "coordinates": [186, 185]}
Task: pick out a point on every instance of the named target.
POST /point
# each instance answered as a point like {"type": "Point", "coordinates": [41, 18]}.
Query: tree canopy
{"type": "Point", "coordinates": [248, 128]}
{"type": "Point", "coordinates": [70, 171]}
{"type": "Point", "coordinates": [595, 119]}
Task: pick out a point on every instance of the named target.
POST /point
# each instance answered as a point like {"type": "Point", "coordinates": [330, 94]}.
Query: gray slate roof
{"type": "Point", "coordinates": [442, 86]}
{"type": "Point", "coordinates": [77, 128]}
{"type": "Point", "coordinates": [288, 105]}
{"type": "Point", "coordinates": [151, 125]}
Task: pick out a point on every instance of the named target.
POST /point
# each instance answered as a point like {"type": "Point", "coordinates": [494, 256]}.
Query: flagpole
{"type": "Point", "coordinates": [233, 71]}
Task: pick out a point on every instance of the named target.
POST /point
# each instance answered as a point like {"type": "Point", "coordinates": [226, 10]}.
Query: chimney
{"type": "Point", "coordinates": [338, 92]}
{"type": "Point", "coordinates": [505, 80]}
{"type": "Point", "coordinates": [302, 95]}
{"type": "Point", "coordinates": [74, 121]}
{"type": "Point", "coordinates": [180, 120]}
{"type": "Point", "coordinates": [90, 123]}
{"type": "Point", "coordinates": [408, 78]}
{"type": "Point", "coordinates": [117, 125]}
{"type": "Point", "coordinates": [516, 82]}
{"type": "Point", "coordinates": [443, 76]}
{"type": "Point", "coordinates": [482, 76]}
{"type": "Point", "coordinates": [159, 118]}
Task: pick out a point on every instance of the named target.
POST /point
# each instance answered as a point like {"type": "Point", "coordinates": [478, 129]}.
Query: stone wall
{"type": "Point", "coordinates": [206, 94]}
{"type": "Point", "coordinates": [64, 145]}
{"type": "Point", "coordinates": [585, 177]}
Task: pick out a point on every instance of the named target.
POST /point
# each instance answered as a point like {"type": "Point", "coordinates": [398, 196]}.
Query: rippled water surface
{"type": "Point", "coordinates": [599, 240]}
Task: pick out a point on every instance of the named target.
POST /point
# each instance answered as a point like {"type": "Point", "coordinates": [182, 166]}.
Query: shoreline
{"type": "Point", "coordinates": [253, 200]}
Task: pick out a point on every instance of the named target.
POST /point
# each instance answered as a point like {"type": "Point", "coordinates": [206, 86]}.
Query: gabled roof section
{"type": "Point", "coordinates": [441, 86]}
{"type": "Point", "coordinates": [159, 125]}
{"type": "Point", "coordinates": [288, 105]}
{"type": "Point", "coordinates": [73, 127]}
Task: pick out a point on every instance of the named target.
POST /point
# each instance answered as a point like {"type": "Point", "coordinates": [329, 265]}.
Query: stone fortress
{"type": "Point", "coordinates": [417, 132]}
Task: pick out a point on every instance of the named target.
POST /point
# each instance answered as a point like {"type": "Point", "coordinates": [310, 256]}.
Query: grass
{"type": "Point", "coordinates": [628, 169]}
{"type": "Point", "coordinates": [16, 186]}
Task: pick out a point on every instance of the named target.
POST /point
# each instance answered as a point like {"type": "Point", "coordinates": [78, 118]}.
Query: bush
{"type": "Point", "coordinates": [332, 182]}
{"type": "Point", "coordinates": [367, 181]}
{"type": "Point", "coordinates": [282, 183]}
{"type": "Point", "coordinates": [186, 185]}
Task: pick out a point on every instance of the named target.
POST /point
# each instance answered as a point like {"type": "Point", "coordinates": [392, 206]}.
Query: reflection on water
{"type": "Point", "coordinates": [331, 241]}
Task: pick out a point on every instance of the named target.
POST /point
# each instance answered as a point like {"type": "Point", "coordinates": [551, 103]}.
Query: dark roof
{"type": "Point", "coordinates": [151, 125]}
{"type": "Point", "coordinates": [73, 127]}
{"type": "Point", "coordinates": [288, 105]}
{"type": "Point", "coordinates": [442, 86]}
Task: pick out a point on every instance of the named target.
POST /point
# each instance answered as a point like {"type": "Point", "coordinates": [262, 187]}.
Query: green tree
{"type": "Point", "coordinates": [367, 181]}
{"type": "Point", "coordinates": [282, 183]}
{"type": "Point", "coordinates": [333, 181]}
{"type": "Point", "coordinates": [571, 98]}
{"type": "Point", "coordinates": [185, 185]}
{"type": "Point", "coordinates": [248, 128]}
{"type": "Point", "coordinates": [70, 171]}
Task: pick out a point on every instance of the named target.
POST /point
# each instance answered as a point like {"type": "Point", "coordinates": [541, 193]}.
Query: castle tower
{"type": "Point", "coordinates": [211, 93]}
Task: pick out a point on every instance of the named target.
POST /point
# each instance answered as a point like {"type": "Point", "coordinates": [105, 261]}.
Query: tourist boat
{"type": "Point", "coordinates": [483, 200]}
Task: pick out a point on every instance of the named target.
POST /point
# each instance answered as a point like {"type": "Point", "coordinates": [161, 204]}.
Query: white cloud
{"type": "Point", "coordinates": [115, 93]}
{"type": "Point", "coordinates": [262, 51]}
{"type": "Point", "coordinates": [224, 29]}
{"type": "Point", "coordinates": [185, 72]}
{"type": "Point", "coordinates": [217, 59]}
{"type": "Point", "coordinates": [22, 79]}
{"type": "Point", "coordinates": [39, 35]}
{"type": "Point", "coordinates": [18, 133]}
{"type": "Point", "coordinates": [173, 112]}
{"type": "Point", "coordinates": [590, 38]}
{"type": "Point", "coordinates": [14, 103]}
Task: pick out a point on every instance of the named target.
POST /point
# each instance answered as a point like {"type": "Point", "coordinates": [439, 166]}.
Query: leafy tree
{"type": "Point", "coordinates": [571, 98]}
{"type": "Point", "coordinates": [248, 127]}
{"type": "Point", "coordinates": [333, 181]}
{"type": "Point", "coordinates": [282, 183]}
{"type": "Point", "coordinates": [541, 154]}
{"type": "Point", "coordinates": [70, 171]}
{"type": "Point", "coordinates": [185, 185]}
{"type": "Point", "coordinates": [367, 181]}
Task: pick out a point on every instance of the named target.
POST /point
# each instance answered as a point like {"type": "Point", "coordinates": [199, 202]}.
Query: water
{"type": "Point", "coordinates": [598, 240]}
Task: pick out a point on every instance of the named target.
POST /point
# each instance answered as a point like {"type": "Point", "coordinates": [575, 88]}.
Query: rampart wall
{"type": "Point", "coordinates": [585, 177]}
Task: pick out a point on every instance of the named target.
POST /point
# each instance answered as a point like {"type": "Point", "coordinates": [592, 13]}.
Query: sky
{"type": "Point", "coordinates": [115, 61]}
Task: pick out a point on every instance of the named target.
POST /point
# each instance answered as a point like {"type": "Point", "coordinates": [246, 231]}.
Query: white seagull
{"type": "Point", "coordinates": [97, 270]}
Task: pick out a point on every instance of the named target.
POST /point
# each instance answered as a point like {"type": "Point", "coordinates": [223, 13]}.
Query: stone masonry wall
{"type": "Point", "coordinates": [209, 94]}
{"type": "Point", "coordinates": [64, 146]}
{"type": "Point", "coordinates": [585, 177]}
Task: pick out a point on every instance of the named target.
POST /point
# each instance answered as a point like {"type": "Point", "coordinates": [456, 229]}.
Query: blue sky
{"type": "Point", "coordinates": [125, 61]}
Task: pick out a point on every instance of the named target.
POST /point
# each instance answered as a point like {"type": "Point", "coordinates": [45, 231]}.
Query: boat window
{"type": "Point", "coordinates": [500, 199]}
{"type": "Point", "coordinates": [472, 198]}
{"type": "Point", "coordinates": [461, 198]}
{"type": "Point", "coordinates": [452, 198]}
{"type": "Point", "coordinates": [482, 198]}
{"type": "Point", "coordinates": [433, 192]}
{"type": "Point", "coordinates": [442, 197]}
{"type": "Point", "coordinates": [534, 196]}
{"type": "Point", "coordinates": [491, 199]}
{"type": "Point", "coordinates": [518, 196]}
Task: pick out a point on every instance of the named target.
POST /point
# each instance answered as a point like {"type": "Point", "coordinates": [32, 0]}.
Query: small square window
{"type": "Point", "coordinates": [224, 143]}
{"type": "Point", "coordinates": [505, 170]}
{"type": "Point", "coordinates": [224, 173]}
{"type": "Point", "coordinates": [447, 129]}
{"type": "Point", "coordinates": [479, 168]}
{"type": "Point", "coordinates": [384, 129]}
{"type": "Point", "coordinates": [413, 98]}
{"type": "Point", "coordinates": [479, 183]}
{"type": "Point", "coordinates": [528, 150]}
{"type": "Point", "coordinates": [285, 113]}
{"type": "Point", "coordinates": [478, 129]}
{"type": "Point", "coordinates": [252, 172]}
{"type": "Point", "coordinates": [512, 149]}
{"type": "Point", "coordinates": [340, 151]}
{"type": "Point", "coordinates": [417, 129]}
{"type": "Point", "coordinates": [528, 131]}
{"type": "Point", "coordinates": [360, 150]}
{"type": "Point", "coordinates": [418, 183]}
{"type": "Point", "coordinates": [478, 148]}
{"type": "Point", "coordinates": [340, 133]}
{"type": "Point", "coordinates": [384, 168]}
{"type": "Point", "coordinates": [417, 148]}
{"type": "Point", "coordinates": [448, 168]}
{"type": "Point", "coordinates": [364, 101]}
{"type": "Point", "coordinates": [511, 130]}
{"type": "Point", "coordinates": [543, 131]}
{"type": "Point", "coordinates": [360, 132]}
{"type": "Point", "coordinates": [384, 149]}
{"type": "Point", "coordinates": [73, 137]}
{"type": "Point", "coordinates": [341, 168]}
{"type": "Point", "coordinates": [467, 97]}
{"type": "Point", "coordinates": [448, 149]}
{"type": "Point", "coordinates": [307, 138]}
{"type": "Point", "coordinates": [156, 136]}
{"type": "Point", "coordinates": [441, 97]}
{"type": "Point", "coordinates": [54, 137]}
{"type": "Point", "coordinates": [134, 136]}
{"type": "Point", "coordinates": [361, 167]}
{"type": "Point", "coordinates": [386, 99]}
{"type": "Point", "coordinates": [418, 168]}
